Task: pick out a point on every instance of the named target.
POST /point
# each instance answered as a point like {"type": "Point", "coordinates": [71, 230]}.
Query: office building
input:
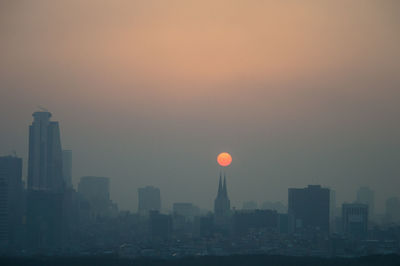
{"type": "Point", "coordinates": [149, 200]}
{"type": "Point", "coordinates": [96, 190]}
{"type": "Point", "coordinates": [309, 209]}
{"type": "Point", "coordinates": [46, 213]}
{"type": "Point", "coordinates": [366, 196]}
{"type": "Point", "coordinates": [355, 220]}
{"type": "Point", "coordinates": [10, 199]}
{"type": "Point", "coordinates": [45, 154]}
{"type": "Point", "coordinates": [160, 225]}
{"type": "Point", "coordinates": [46, 219]}
{"type": "Point", "coordinates": [392, 213]}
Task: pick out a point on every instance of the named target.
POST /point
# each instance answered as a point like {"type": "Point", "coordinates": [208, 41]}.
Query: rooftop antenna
{"type": "Point", "coordinates": [41, 108]}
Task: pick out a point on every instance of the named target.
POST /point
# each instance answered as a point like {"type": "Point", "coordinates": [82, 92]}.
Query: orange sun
{"type": "Point", "coordinates": [224, 159]}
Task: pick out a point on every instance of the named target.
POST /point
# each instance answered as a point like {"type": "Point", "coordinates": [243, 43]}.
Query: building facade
{"type": "Point", "coordinates": [365, 195]}
{"type": "Point", "coordinates": [392, 210]}
{"type": "Point", "coordinates": [46, 212]}
{"type": "Point", "coordinates": [96, 191]}
{"type": "Point", "coordinates": [309, 209]}
{"type": "Point", "coordinates": [11, 190]}
{"type": "Point", "coordinates": [355, 220]}
{"type": "Point", "coordinates": [45, 154]}
{"type": "Point", "coordinates": [149, 200]}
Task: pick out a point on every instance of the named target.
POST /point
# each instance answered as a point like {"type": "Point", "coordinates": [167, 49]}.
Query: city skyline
{"type": "Point", "coordinates": [168, 207]}
{"type": "Point", "coordinates": [50, 215]}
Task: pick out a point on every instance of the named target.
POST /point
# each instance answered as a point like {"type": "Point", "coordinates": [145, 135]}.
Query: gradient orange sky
{"type": "Point", "coordinates": [309, 88]}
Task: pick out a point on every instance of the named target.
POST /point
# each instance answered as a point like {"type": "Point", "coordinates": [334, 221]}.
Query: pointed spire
{"type": "Point", "coordinates": [225, 190]}
{"type": "Point", "coordinates": [220, 185]}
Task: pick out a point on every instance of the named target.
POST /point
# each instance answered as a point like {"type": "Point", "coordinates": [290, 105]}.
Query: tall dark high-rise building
{"type": "Point", "coordinates": [222, 204]}
{"type": "Point", "coordinates": [309, 208]}
{"type": "Point", "coordinates": [45, 154]}
{"type": "Point", "coordinates": [149, 199]}
{"type": "Point", "coordinates": [10, 199]}
{"type": "Point", "coordinates": [46, 211]}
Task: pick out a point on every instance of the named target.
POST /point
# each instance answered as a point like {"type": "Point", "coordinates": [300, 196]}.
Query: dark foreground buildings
{"type": "Point", "coordinates": [355, 220]}
{"type": "Point", "coordinates": [309, 209]}
{"type": "Point", "coordinates": [11, 201]}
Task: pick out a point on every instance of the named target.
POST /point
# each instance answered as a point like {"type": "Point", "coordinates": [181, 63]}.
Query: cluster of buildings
{"type": "Point", "coordinates": [47, 215]}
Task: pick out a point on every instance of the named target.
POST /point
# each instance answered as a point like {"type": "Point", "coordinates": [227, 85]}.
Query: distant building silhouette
{"type": "Point", "coordinates": [277, 206]}
{"type": "Point", "coordinates": [366, 196]}
{"type": "Point", "coordinates": [355, 219]}
{"type": "Point", "coordinates": [245, 220]}
{"type": "Point", "coordinates": [46, 221]}
{"type": "Point", "coordinates": [222, 204]}
{"type": "Point", "coordinates": [96, 190]}
{"type": "Point", "coordinates": [67, 167]}
{"type": "Point", "coordinates": [249, 205]}
{"type": "Point", "coordinates": [10, 199]}
{"type": "Point", "coordinates": [309, 209]}
{"type": "Point", "coordinates": [392, 213]}
{"type": "Point", "coordinates": [332, 210]}
{"type": "Point", "coordinates": [185, 209]}
{"type": "Point", "coordinates": [149, 200]}
{"type": "Point", "coordinates": [45, 154]}
{"type": "Point", "coordinates": [160, 225]}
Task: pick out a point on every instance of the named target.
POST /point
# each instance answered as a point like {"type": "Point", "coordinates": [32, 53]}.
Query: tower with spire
{"type": "Point", "coordinates": [222, 204]}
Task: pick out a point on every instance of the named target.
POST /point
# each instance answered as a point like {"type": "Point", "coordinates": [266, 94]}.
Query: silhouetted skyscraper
{"type": "Point", "coordinates": [67, 167]}
{"type": "Point", "coordinates": [149, 199]}
{"type": "Point", "coordinates": [46, 212]}
{"type": "Point", "coordinates": [222, 204]}
{"type": "Point", "coordinates": [10, 199]}
{"type": "Point", "coordinates": [45, 154]}
{"type": "Point", "coordinates": [309, 208]}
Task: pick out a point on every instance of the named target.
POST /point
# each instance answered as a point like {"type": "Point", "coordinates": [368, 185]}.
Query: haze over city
{"type": "Point", "coordinates": [149, 92]}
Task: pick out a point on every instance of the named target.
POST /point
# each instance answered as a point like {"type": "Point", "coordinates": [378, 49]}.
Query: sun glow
{"type": "Point", "coordinates": [224, 159]}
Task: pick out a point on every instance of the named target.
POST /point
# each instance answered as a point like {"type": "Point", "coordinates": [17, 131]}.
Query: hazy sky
{"type": "Point", "coordinates": [149, 92]}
